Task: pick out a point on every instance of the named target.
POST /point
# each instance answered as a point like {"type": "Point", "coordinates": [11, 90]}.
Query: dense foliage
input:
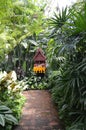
{"type": "Point", "coordinates": [34, 83]}
{"type": "Point", "coordinates": [63, 40]}
{"type": "Point", "coordinates": [69, 73]}
{"type": "Point", "coordinates": [18, 20]}
{"type": "Point", "coordinates": [11, 100]}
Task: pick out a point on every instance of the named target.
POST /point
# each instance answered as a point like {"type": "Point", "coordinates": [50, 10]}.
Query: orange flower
{"type": "Point", "coordinates": [39, 69]}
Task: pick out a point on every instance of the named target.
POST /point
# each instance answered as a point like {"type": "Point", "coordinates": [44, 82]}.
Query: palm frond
{"type": "Point", "coordinates": [59, 18]}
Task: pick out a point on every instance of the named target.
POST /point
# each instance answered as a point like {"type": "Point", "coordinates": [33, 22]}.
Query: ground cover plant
{"type": "Point", "coordinates": [35, 82]}
{"type": "Point", "coordinates": [11, 100]}
{"type": "Point", "coordinates": [6, 118]}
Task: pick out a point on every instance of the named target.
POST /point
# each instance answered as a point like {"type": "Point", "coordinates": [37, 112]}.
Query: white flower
{"type": "Point", "coordinates": [14, 76]}
{"type": "Point", "coordinates": [2, 74]}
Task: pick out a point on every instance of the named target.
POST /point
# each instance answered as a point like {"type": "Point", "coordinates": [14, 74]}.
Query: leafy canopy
{"type": "Point", "coordinates": [18, 19]}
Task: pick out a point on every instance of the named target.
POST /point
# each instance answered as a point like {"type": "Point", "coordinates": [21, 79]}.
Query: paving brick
{"type": "Point", "coordinates": [39, 112]}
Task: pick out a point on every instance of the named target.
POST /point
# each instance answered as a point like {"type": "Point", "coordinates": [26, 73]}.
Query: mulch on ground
{"type": "Point", "coordinates": [39, 112]}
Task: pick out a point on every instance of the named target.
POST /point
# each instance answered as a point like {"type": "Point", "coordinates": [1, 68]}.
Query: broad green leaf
{"type": "Point", "coordinates": [11, 118]}
{"type": "Point", "coordinates": [2, 120]}
{"type": "Point", "coordinates": [5, 108]}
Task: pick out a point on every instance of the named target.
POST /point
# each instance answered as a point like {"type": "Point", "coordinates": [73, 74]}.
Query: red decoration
{"type": "Point", "coordinates": [39, 56]}
{"type": "Point", "coordinates": [39, 62]}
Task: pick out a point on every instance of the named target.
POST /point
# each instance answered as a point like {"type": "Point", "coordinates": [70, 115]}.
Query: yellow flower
{"type": "Point", "coordinates": [39, 69]}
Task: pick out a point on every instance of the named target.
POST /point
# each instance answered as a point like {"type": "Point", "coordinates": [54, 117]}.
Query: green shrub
{"type": "Point", "coordinates": [11, 96]}
{"type": "Point", "coordinates": [35, 82]}
{"type": "Point", "coordinates": [70, 94]}
{"type": "Point", "coordinates": [69, 90]}
{"type": "Point", "coordinates": [6, 117]}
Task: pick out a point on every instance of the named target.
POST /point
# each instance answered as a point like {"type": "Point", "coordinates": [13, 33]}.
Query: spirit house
{"type": "Point", "coordinates": [39, 62]}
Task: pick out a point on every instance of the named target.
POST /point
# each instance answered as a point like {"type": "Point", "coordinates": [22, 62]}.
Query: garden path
{"type": "Point", "coordinates": [39, 112]}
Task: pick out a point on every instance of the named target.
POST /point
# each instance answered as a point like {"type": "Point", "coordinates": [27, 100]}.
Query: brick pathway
{"type": "Point", "coordinates": [39, 112]}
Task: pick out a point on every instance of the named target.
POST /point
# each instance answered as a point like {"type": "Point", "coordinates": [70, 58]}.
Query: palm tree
{"type": "Point", "coordinates": [70, 84]}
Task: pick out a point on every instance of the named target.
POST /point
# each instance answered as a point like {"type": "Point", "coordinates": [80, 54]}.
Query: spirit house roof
{"type": "Point", "coordinates": [39, 56]}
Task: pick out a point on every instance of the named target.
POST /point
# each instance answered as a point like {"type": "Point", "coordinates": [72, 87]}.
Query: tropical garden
{"type": "Point", "coordinates": [25, 28]}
